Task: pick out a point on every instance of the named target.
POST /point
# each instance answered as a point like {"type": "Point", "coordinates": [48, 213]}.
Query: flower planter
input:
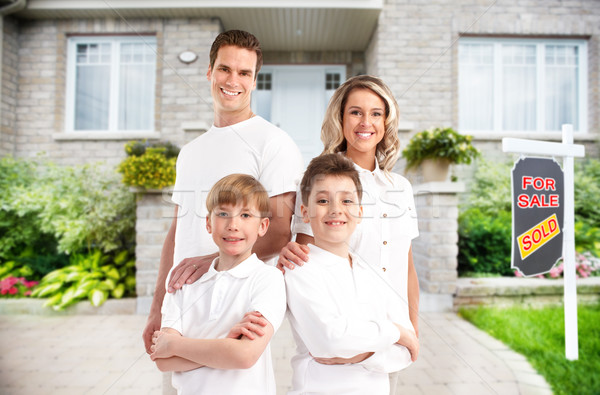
{"type": "Point", "coordinates": [435, 169]}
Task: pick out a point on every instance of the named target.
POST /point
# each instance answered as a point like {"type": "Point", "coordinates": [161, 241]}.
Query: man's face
{"type": "Point", "coordinates": [232, 80]}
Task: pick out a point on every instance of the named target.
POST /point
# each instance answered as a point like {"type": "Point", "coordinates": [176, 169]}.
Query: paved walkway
{"type": "Point", "coordinates": [94, 354]}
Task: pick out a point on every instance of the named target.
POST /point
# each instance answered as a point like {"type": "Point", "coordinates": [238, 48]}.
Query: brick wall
{"type": "Point", "coordinates": [414, 48]}
{"type": "Point", "coordinates": [9, 85]}
{"type": "Point", "coordinates": [154, 216]}
{"type": "Point", "coordinates": [435, 250]}
{"type": "Point", "coordinates": [182, 94]}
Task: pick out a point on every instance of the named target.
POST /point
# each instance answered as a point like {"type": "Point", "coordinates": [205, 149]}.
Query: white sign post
{"type": "Point", "coordinates": [568, 151]}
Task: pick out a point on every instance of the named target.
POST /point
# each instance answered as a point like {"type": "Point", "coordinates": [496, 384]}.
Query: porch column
{"type": "Point", "coordinates": [154, 216]}
{"type": "Point", "coordinates": [435, 250]}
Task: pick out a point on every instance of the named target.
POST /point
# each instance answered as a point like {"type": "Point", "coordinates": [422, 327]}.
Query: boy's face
{"type": "Point", "coordinates": [235, 229]}
{"type": "Point", "coordinates": [232, 79]}
{"type": "Point", "coordinates": [333, 210]}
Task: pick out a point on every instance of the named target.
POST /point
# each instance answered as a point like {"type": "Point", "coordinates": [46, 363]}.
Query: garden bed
{"type": "Point", "coordinates": [509, 291]}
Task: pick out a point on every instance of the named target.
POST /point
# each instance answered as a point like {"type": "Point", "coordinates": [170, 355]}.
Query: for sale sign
{"type": "Point", "coordinates": [538, 190]}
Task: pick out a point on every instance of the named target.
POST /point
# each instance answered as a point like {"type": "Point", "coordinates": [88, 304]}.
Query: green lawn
{"type": "Point", "coordinates": [538, 334]}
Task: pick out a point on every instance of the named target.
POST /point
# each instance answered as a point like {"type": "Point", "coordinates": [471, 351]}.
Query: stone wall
{"type": "Point", "coordinates": [182, 91]}
{"type": "Point", "coordinates": [8, 95]}
{"type": "Point", "coordinates": [154, 216]}
{"type": "Point", "coordinates": [530, 292]}
{"type": "Point", "coordinates": [436, 249]}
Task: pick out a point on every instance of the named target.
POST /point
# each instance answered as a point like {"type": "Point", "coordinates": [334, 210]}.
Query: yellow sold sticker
{"type": "Point", "coordinates": [537, 236]}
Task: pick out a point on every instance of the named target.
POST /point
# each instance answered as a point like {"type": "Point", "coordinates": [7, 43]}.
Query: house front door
{"type": "Point", "coordinates": [295, 98]}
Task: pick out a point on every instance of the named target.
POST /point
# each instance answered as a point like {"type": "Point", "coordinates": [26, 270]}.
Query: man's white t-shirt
{"type": "Point", "coordinates": [340, 311]}
{"type": "Point", "coordinates": [255, 147]}
{"type": "Point", "coordinates": [210, 307]}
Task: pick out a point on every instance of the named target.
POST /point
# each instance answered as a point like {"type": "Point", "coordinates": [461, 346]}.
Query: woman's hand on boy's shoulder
{"type": "Point", "coordinates": [291, 255]}
{"type": "Point", "coordinates": [250, 326]}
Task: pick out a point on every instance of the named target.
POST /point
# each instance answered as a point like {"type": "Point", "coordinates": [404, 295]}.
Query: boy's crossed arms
{"type": "Point", "coordinates": [242, 347]}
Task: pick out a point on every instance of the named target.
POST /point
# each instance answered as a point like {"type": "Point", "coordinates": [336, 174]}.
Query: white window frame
{"type": "Point", "coordinates": [582, 78]}
{"type": "Point", "coordinates": [112, 132]}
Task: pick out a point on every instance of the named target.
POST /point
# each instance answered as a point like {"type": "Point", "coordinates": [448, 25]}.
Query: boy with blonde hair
{"type": "Point", "coordinates": [199, 339]}
{"type": "Point", "coordinates": [344, 317]}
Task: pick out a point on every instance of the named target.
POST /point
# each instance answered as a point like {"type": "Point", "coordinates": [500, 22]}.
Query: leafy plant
{"type": "Point", "coordinates": [149, 165]}
{"type": "Point", "coordinates": [92, 276]}
{"type": "Point", "coordinates": [439, 143]}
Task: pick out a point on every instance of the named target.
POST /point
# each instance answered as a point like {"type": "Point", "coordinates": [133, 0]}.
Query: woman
{"type": "Point", "coordinates": [361, 122]}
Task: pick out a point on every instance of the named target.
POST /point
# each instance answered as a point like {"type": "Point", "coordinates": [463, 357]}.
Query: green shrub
{"type": "Point", "coordinates": [33, 264]}
{"type": "Point", "coordinates": [149, 166]}
{"type": "Point", "coordinates": [484, 242]}
{"type": "Point", "coordinates": [83, 207]}
{"type": "Point", "coordinates": [48, 211]}
{"type": "Point", "coordinates": [587, 238]}
{"type": "Point", "coordinates": [92, 276]}
{"type": "Point", "coordinates": [587, 191]}
{"type": "Point", "coordinates": [490, 188]}
{"type": "Point", "coordinates": [17, 229]}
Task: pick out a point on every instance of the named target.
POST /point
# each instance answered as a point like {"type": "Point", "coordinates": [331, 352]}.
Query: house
{"type": "Point", "coordinates": [80, 78]}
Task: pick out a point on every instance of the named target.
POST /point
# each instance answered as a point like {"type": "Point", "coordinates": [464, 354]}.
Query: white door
{"type": "Point", "coordinates": [295, 98]}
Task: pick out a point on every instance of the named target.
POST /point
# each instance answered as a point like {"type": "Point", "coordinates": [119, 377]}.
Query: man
{"type": "Point", "coordinates": [238, 142]}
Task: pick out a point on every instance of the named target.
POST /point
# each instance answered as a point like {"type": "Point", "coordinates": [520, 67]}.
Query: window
{"type": "Point", "coordinates": [110, 84]}
{"type": "Point", "coordinates": [261, 98]}
{"type": "Point", "coordinates": [332, 81]}
{"type": "Point", "coordinates": [522, 85]}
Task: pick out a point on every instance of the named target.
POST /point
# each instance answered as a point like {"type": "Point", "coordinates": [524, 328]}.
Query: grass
{"type": "Point", "coordinates": [538, 334]}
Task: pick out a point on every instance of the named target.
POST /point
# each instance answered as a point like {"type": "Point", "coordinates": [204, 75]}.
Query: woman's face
{"type": "Point", "coordinates": [363, 122]}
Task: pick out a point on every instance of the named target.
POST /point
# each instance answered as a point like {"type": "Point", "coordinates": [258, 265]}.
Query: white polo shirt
{"type": "Point", "coordinates": [340, 311]}
{"type": "Point", "coordinates": [210, 307]}
{"type": "Point", "coordinates": [389, 224]}
{"type": "Point", "coordinates": [255, 147]}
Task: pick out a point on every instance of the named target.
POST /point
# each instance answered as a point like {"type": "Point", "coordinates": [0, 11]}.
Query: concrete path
{"type": "Point", "coordinates": [94, 354]}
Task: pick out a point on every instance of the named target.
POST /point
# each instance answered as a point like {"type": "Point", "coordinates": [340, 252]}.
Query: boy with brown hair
{"type": "Point", "coordinates": [345, 318]}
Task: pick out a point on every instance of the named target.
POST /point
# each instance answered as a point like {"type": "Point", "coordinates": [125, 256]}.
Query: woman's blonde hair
{"type": "Point", "coordinates": [332, 135]}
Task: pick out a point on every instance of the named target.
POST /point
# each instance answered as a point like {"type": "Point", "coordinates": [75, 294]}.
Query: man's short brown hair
{"type": "Point", "coordinates": [329, 165]}
{"type": "Point", "coordinates": [239, 188]}
{"type": "Point", "coordinates": [238, 38]}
